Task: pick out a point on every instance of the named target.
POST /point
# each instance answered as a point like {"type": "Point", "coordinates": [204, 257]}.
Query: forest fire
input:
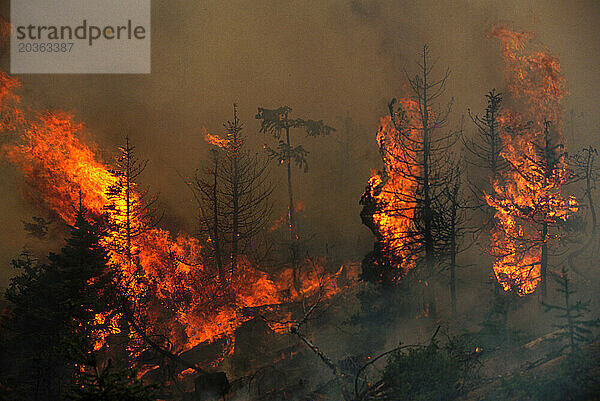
{"type": "Point", "coordinates": [527, 197]}
{"type": "Point", "coordinates": [203, 214]}
{"type": "Point", "coordinates": [164, 275]}
{"type": "Point", "coordinates": [389, 196]}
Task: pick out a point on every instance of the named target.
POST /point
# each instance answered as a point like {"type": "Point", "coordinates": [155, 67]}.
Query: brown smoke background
{"type": "Point", "coordinates": [326, 59]}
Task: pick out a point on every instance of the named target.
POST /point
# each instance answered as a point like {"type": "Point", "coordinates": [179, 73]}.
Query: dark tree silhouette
{"type": "Point", "coordinates": [584, 167]}
{"type": "Point", "coordinates": [454, 228]}
{"type": "Point", "coordinates": [487, 146]}
{"type": "Point", "coordinates": [206, 191]}
{"type": "Point", "coordinates": [279, 125]}
{"type": "Point", "coordinates": [419, 153]}
{"type": "Point", "coordinates": [233, 196]}
{"type": "Point", "coordinates": [53, 322]}
{"type": "Point", "coordinates": [575, 329]}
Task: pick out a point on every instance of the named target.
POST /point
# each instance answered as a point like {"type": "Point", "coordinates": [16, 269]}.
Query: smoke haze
{"type": "Point", "coordinates": [326, 60]}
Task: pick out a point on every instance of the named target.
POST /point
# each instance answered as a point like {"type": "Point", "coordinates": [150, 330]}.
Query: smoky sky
{"type": "Point", "coordinates": [325, 59]}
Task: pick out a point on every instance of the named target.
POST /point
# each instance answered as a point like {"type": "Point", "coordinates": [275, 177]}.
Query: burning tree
{"type": "Point", "coordinates": [404, 202]}
{"type": "Point", "coordinates": [168, 298]}
{"type": "Point", "coordinates": [131, 210]}
{"type": "Point", "coordinates": [527, 198]}
{"type": "Point", "coordinates": [536, 208]}
{"type": "Point", "coordinates": [233, 196]}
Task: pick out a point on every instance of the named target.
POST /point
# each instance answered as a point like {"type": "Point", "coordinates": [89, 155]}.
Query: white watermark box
{"type": "Point", "coordinates": [80, 36]}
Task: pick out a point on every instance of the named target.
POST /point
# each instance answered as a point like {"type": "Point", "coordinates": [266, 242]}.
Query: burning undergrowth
{"type": "Point", "coordinates": [170, 287]}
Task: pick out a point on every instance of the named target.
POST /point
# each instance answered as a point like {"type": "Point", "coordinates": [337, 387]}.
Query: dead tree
{"type": "Point", "coordinates": [205, 188]}
{"type": "Point", "coordinates": [455, 228]}
{"type": "Point", "coordinates": [583, 165]}
{"type": "Point", "coordinates": [233, 197]}
{"type": "Point", "coordinates": [486, 148]}
{"type": "Point", "coordinates": [418, 153]}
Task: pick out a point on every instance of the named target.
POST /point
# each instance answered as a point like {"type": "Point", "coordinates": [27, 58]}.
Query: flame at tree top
{"type": "Point", "coordinates": [533, 76]}
{"type": "Point", "coordinates": [528, 198]}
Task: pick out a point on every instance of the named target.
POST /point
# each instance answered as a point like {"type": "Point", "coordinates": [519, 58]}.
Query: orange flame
{"type": "Point", "coordinates": [533, 78]}
{"type": "Point", "coordinates": [215, 140]}
{"type": "Point", "coordinates": [391, 192]}
{"type": "Point", "coordinates": [182, 296]}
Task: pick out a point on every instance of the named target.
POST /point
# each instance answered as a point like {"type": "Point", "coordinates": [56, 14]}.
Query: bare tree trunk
{"type": "Point", "coordinates": [453, 251]}
{"type": "Point", "coordinates": [549, 166]}
{"type": "Point", "coordinates": [128, 202]}
{"type": "Point", "coordinates": [427, 206]}
{"type": "Point", "coordinates": [235, 196]}
{"type": "Point", "coordinates": [544, 261]}
{"type": "Point", "coordinates": [215, 231]}
{"type": "Point", "coordinates": [291, 218]}
{"type": "Point", "coordinates": [290, 194]}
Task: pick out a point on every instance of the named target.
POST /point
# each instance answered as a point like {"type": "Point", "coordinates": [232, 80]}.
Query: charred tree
{"type": "Point", "coordinates": [583, 165]}
{"type": "Point", "coordinates": [233, 197]}
{"type": "Point", "coordinates": [404, 204]}
{"type": "Point", "coordinates": [206, 191]}
{"type": "Point", "coordinates": [455, 228]}
{"type": "Point", "coordinates": [487, 146]}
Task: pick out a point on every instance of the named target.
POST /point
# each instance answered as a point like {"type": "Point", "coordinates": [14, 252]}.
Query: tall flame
{"type": "Point", "coordinates": [390, 193]}
{"type": "Point", "coordinates": [185, 300]}
{"type": "Point", "coordinates": [535, 81]}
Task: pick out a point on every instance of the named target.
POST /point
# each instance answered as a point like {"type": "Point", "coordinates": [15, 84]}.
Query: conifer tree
{"type": "Point", "coordinates": [575, 329]}
{"type": "Point", "coordinates": [131, 210]}
{"type": "Point", "coordinates": [54, 308]}
{"type": "Point", "coordinates": [233, 196]}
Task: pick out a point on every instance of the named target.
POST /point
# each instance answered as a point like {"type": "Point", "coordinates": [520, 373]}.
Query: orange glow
{"type": "Point", "coordinates": [215, 140]}
{"type": "Point", "coordinates": [393, 193]}
{"type": "Point", "coordinates": [525, 190]}
{"type": "Point", "coordinates": [175, 290]}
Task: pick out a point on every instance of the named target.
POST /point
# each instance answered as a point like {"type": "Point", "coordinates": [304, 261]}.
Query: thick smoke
{"type": "Point", "coordinates": [326, 60]}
